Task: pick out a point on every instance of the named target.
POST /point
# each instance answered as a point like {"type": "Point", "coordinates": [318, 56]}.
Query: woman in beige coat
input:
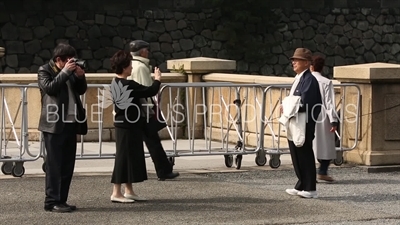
{"type": "Point", "coordinates": [324, 141]}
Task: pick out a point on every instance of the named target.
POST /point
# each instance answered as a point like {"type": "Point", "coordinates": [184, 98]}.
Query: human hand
{"type": "Point", "coordinates": [157, 74]}
{"type": "Point", "coordinates": [79, 71]}
{"type": "Point", "coordinates": [281, 108]}
{"type": "Point", "coordinates": [70, 65]}
{"type": "Point", "coordinates": [333, 129]}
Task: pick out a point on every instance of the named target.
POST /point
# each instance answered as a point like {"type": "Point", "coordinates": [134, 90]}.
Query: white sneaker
{"type": "Point", "coordinates": [292, 191]}
{"type": "Point", "coordinates": [308, 194]}
{"type": "Point", "coordinates": [135, 197]}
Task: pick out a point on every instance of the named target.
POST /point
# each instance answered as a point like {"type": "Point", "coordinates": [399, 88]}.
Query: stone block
{"type": "Point", "coordinates": [12, 61]}
{"type": "Point", "coordinates": [13, 6]}
{"type": "Point", "coordinates": [25, 60]}
{"type": "Point", "coordinates": [41, 32]}
{"type": "Point", "coordinates": [184, 3]}
{"type": "Point", "coordinates": [112, 21]}
{"type": "Point", "coordinates": [317, 4]}
{"type": "Point", "coordinates": [2, 52]}
{"type": "Point", "coordinates": [369, 4]}
{"type": "Point", "coordinates": [148, 4]}
{"type": "Point", "coordinates": [156, 27]}
{"type": "Point", "coordinates": [165, 4]}
{"type": "Point", "coordinates": [128, 20]}
{"type": "Point", "coordinates": [186, 44]}
{"type": "Point", "coordinates": [14, 47]}
{"type": "Point", "coordinates": [338, 3]}
{"type": "Point", "coordinates": [32, 47]}
{"type": "Point", "coordinates": [368, 73]}
{"type": "Point", "coordinates": [71, 31]}
{"type": "Point", "coordinates": [9, 32]}
{"type": "Point", "coordinates": [202, 65]}
{"type": "Point", "coordinates": [390, 4]}
{"type": "Point", "coordinates": [2, 9]}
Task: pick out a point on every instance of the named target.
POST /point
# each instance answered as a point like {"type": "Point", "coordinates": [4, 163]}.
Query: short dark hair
{"type": "Point", "coordinates": [64, 51]}
{"type": "Point", "coordinates": [318, 63]}
{"type": "Point", "coordinates": [120, 61]}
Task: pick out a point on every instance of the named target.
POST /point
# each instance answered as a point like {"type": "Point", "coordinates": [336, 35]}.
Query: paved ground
{"type": "Point", "coordinates": [208, 193]}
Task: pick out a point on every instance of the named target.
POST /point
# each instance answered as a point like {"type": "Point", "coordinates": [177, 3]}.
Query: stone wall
{"type": "Point", "coordinates": [343, 36]}
{"type": "Point", "coordinates": [178, 29]}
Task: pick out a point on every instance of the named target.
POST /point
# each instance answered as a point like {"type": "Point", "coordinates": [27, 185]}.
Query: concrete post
{"type": "Point", "coordinates": [195, 68]}
{"type": "Point", "coordinates": [379, 133]}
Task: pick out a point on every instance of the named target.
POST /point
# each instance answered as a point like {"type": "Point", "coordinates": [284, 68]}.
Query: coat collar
{"type": "Point", "coordinates": [53, 66]}
{"type": "Point", "coordinates": [141, 59]}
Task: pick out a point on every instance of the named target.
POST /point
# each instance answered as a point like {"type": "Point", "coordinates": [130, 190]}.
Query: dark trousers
{"type": "Point", "coordinates": [304, 162]}
{"type": "Point", "coordinates": [157, 154]}
{"type": "Point", "coordinates": [60, 163]}
{"type": "Point", "coordinates": [323, 166]}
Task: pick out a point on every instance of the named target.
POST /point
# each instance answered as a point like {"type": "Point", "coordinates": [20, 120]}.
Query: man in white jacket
{"type": "Point", "coordinates": [324, 142]}
{"type": "Point", "coordinates": [305, 86]}
{"type": "Point", "coordinates": [141, 73]}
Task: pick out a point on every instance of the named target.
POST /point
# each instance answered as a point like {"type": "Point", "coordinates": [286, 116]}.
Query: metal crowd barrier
{"type": "Point", "coordinates": [202, 119]}
{"type": "Point", "coordinates": [14, 141]}
{"type": "Point", "coordinates": [271, 114]}
{"type": "Point", "coordinates": [223, 118]}
{"type": "Point", "coordinates": [181, 118]}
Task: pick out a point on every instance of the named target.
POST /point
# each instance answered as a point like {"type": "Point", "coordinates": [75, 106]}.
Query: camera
{"type": "Point", "coordinates": [81, 63]}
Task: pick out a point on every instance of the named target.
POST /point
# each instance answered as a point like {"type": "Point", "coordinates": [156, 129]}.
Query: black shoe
{"type": "Point", "coordinates": [60, 208]}
{"type": "Point", "coordinates": [171, 175]}
{"type": "Point", "coordinates": [73, 207]}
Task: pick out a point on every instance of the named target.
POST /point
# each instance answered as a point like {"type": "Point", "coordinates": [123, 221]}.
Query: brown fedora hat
{"type": "Point", "coordinates": [302, 53]}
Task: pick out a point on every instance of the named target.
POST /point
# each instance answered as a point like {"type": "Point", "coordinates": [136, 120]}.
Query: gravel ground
{"type": "Point", "coordinates": [378, 192]}
{"type": "Point", "coordinates": [252, 197]}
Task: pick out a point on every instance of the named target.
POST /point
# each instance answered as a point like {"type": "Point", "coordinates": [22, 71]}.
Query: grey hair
{"type": "Point", "coordinates": [137, 53]}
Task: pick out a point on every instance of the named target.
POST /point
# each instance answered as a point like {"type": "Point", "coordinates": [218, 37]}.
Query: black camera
{"type": "Point", "coordinates": [81, 63]}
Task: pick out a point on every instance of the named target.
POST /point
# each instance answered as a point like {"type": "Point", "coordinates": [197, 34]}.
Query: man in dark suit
{"type": "Point", "coordinates": [62, 117]}
{"type": "Point", "coordinates": [141, 73]}
{"type": "Point", "coordinates": [305, 86]}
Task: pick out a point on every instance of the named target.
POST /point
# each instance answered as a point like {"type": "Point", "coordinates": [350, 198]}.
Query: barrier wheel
{"type": "Point", "coordinates": [228, 160]}
{"type": "Point", "coordinates": [171, 160]}
{"type": "Point", "coordinates": [338, 161]}
{"type": "Point", "coordinates": [44, 167]}
{"type": "Point", "coordinates": [339, 158]}
{"type": "Point", "coordinates": [6, 168]}
{"type": "Point", "coordinates": [18, 169]}
{"type": "Point", "coordinates": [238, 161]}
{"type": "Point", "coordinates": [275, 162]}
{"type": "Point", "coordinates": [261, 161]}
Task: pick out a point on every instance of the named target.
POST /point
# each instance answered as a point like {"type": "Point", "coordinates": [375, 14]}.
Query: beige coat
{"type": "Point", "coordinates": [324, 141]}
{"type": "Point", "coordinates": [141, 73]}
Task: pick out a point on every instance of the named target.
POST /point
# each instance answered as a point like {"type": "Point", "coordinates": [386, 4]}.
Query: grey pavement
{"type": "Point", "coordinates": [207, 192]}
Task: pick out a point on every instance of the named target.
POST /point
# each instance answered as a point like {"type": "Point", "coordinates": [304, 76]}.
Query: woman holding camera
{"type": "Point", "coordinates": [129, 165]}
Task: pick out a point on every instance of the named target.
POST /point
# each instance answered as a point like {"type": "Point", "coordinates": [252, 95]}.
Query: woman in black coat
{"type": "Point", "coordinates": [129, 121]}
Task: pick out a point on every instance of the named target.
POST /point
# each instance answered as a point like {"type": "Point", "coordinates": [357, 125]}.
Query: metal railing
{"type": "Point", "coordinates": [202, 119]}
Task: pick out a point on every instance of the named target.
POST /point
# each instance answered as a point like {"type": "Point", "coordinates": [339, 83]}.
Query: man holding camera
{"type": "Point", "coordinates": [61, 82]}
{"type": "Point", "coordinates": [141, 73]}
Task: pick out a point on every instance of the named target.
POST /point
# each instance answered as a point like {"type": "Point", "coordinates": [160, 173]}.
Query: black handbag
{"type": "Point", "coordinates": [155, 123]}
